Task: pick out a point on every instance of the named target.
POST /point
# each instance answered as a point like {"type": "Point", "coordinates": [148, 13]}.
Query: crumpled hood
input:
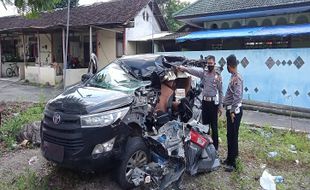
{"type": "Point", "coordinates": [84, 100]}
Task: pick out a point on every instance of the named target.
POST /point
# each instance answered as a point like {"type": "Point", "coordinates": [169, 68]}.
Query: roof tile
{"type": "Point", "coordinates": [206, 7]}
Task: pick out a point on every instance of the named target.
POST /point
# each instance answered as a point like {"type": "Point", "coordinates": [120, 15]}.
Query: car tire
{"type": "Point", "coordinates": [136, 154]}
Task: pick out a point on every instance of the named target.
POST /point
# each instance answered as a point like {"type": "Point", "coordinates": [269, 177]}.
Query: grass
{"type": "Point", "coordinates": [27, 181]}
{"type": "Point", "coordinates": [10, 128]}
{"type": "Point", "coordinates": [254, 145]}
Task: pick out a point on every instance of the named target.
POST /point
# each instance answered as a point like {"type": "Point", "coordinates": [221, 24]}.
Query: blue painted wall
{"type": "Point", "coordinates": [287, 82]}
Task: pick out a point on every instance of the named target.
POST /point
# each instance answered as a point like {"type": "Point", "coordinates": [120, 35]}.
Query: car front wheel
{"type": "Point", "coordinates": [135, 155]}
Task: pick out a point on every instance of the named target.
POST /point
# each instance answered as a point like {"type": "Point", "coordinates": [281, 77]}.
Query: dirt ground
{"type": "Point", "coordinates": [12, 109]}
{"type": "Point", "coordinates": [15, 164]}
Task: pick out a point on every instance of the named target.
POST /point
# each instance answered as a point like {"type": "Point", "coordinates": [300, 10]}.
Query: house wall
{"type": "Point", "coordinates": [142, 27]}
{"type": "Point", "coordinates": [288, 18]}
{"type": "Point", "coordinates": [131, 48]}
{"type": "Point", "coordinates": [40, 75]}
{"type": "Point", "coordinates": [73, 76]}
{"type": "Point", "coordinates": [45, 49]}
{"type": "Point", "coordinates": [106, 47]}
{"type": "Point", "coordinates": [280, 84]}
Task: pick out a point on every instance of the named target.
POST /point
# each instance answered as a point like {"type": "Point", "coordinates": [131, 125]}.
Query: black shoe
{"type": "Point", "coordinates": [230, 168]}
{"type": "Point", "coordinates": [225, 162]}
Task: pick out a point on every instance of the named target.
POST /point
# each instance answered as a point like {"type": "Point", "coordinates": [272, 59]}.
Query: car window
{"type": "Point", "coordinates": [115, 78]}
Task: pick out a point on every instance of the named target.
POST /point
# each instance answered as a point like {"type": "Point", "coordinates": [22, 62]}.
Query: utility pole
{"type": "Point", "coordinates": [153, 17]}
{"type": "Point", "coordinates": [67, 42]}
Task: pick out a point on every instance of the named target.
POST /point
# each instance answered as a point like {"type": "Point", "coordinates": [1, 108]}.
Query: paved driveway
{"type": "Point", "coordinates": [15, 91]}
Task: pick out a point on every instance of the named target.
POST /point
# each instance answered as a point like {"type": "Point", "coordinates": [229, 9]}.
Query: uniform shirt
{"type": "Point", "coordinates": [234, 92]}
{"type": "Point", "coordinates": [212, 82]}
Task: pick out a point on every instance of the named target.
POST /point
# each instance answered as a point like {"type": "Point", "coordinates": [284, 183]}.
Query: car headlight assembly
{"type": "Point", "coordinates": [103, 119]}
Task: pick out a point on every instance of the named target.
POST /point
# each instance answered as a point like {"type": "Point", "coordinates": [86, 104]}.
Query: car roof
{"type": "Point", "coordinates": [142, 66]}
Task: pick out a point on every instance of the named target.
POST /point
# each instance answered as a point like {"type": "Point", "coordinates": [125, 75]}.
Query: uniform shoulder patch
{"type": "Point", "coordinates": [236, 79]}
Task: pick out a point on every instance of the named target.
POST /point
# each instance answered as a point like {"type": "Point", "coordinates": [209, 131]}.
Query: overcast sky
{"type": "Point", "coordinates": [11, 10]}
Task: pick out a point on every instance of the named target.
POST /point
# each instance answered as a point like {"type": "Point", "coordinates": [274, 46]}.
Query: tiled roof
{"type": "Point", "coordinates": [100, 14]}
{"type": "Point", "coordinates": [206, 7]}
{"type": "Point", "coordinates": [172, 36]}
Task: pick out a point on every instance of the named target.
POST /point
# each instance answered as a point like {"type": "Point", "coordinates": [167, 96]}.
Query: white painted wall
{"type": "Point", "coordinates": [142, 27]}
{"type": "Point", "coordinates": [106, 47]}
{"type": "Point", "coordinates": [73, 76]}
{"type": "Point", "coordinates": [41, 75]}
{"type": "Point", "coordinates": [45, 49]}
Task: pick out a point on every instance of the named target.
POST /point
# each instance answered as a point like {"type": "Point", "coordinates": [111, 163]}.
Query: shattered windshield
{"type": "Point", "coordinates": [113, 77]}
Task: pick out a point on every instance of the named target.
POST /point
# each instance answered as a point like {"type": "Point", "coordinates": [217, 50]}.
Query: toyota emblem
{"type": "Point", "coordinates": [56, 118]}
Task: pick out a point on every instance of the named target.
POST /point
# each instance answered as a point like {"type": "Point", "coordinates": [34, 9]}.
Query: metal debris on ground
{"type": "Point", "coordinates": [267, 135]}
{"type": "Point", "coordinates": [272, 154]}
{"type": "Point", "coordinates": [24, 143]}
{"type": "Point", "coordinates": [33, 160]}
{"type": "Point", "coordinates": [293, 149]}
{"type": "Point", "coordinates": [297, 162]}
{"type": "Point", "coordinates": [263, 166]}
{"type": "Point", "coordinates": [15, 114]}
{"type": "Point", "coordinates": [278, 179]}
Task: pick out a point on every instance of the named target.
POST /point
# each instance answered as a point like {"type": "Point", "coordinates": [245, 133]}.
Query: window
{"type": "Point", "coordinates": [252, 23]}
{"type": "Point", "coordinates": [281, 21]}
{"type": "Point", "coordinates": [225, 25]}
{"type": "Point", "coordinates": [145, 16]}
{"type": "Point", "coordinates": [32, 49]}
{"type": "Point", "coordinates": [12, 49]}
{"type": "Point", "coordinates": [236, 24]}
{"type": "Point", "coordinates": [214, 26]}
{"type": "Point", "coordinates": [119, 45]}
{"type": "Point", "coordinates": [302, 20]}
{"type": "Point", "coordinates": [267, 22]}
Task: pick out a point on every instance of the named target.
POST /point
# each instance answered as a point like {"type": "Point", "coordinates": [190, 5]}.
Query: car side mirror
{"type": "Point", "coordinates": [85, 77]}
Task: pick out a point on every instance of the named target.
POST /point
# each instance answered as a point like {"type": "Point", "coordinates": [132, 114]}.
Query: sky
{"type": "Point", "coordinates": [11, 10]}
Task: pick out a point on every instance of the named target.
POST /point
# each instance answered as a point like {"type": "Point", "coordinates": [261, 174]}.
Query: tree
{"type": "Point", "coordinates": [64, 3]}
{"type": "Point", "coordinates": [33, 7]}
{"type": "Point", "coordinates": [168, 8]}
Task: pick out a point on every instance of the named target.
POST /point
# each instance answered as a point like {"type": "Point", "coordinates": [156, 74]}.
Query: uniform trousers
{"type": "Point", "coordinates": [232, 137]}
{"type": "Point", "coordinates": [210, 117]}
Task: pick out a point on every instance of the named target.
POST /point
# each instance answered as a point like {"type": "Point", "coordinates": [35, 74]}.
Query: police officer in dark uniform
{"type": "Point", "coordinates": [233, 105]}
{"type": "Point", "coordinates": [212, 94]}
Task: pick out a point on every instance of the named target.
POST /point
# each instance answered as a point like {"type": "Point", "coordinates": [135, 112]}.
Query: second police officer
{"type": "Point", "coordinates": [233, 106]}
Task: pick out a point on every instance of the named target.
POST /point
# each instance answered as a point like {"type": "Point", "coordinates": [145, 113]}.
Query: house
{"type": "Point", "coordinates": [271, 39]}
{"type": "Point", "coordinates": [108, 29]}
